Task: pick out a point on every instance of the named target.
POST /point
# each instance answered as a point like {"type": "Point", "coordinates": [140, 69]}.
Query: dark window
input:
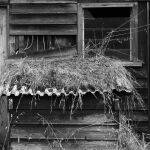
{"type": "Point", "coordinates": [108, 29]}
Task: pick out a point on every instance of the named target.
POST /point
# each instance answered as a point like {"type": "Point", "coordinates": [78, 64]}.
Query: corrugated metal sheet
{"type": "Point", "coordinates": [48, 91]}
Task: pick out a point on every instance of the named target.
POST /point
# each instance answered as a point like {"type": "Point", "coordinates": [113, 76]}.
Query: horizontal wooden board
{"type": "Point", "coordinates": [4, 1]}
{"type": "Point", "coordinates": [42, 8]}
{"type": "Point", "coordinates": [108, 1]}
{"type": "Point", "coordinates": [43, 30]}
{"type": "Point", "coordinates": [44, 19]}
{"type": "Point", "coordinates": [89, 101]}
{"type": "Point", "coordinates": [60, 118]}
{"type": "Point", "coordinates": [75, 145]}
{"type": "Point", "coordinates": [66, 133]}
{"type": "Point", "coordinates": [43, 1]}
{"type": "Point", "coordinates": [105, 4]}
{"type": "Point", "coordinates": [138, 116]}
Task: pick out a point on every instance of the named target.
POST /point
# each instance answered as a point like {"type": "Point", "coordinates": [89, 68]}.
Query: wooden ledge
{"type": "Point", "coordinates": [131, 63]}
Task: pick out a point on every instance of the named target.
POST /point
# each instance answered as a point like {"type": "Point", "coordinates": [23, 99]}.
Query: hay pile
{"type": "Point", "coordinates": [102, 73]}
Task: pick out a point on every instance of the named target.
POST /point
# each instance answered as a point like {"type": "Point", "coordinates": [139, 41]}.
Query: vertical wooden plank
{"type": "Point", "coordinates": [148, 46]}
{"type": "Point", "coordinates": [3, 54]}
{"type": "Point", "coordinates": [4, 121]}
{"type": "Point", "coordinates": [80, 36]}
{"type": "Point", "coordinates": [134, 33]}
{"type": "Point", "coordinates": [142, 40]}
{"type": "Point", "coordinates": [3, 35]}
{"type": "Point", "coordinates": [7, 32]}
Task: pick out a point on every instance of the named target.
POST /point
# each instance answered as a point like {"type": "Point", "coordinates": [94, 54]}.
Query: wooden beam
{"type": "Point", "coordinates": [43, 1]}
{"type": "Point", "coordinates": [148, 46]}
{"type": "Point", "coordinates": [112, 1]}
{"type": "Point", "coordinates": [42, 8]}
{"type": "Point", "coordinates": [3, 36]}
{"type": "Point", "coordinates": [95, 5]}
{"type": "Point", "coordinates": [134, 33]}
{"type": "Point", "coordinates": [142, 35]}
{"type": "Point", "coordinates": [43, 19]}
{"type": "Point", "coordinates": [84, 145]}
{"type": "Point", "coordinates": [80, 39]}
{"type": "Point", "coordinates": [92, 133]}
{"type": "Point", "coordinates": [43, 30]}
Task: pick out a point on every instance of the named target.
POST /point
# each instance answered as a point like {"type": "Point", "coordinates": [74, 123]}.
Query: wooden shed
{"type": "Point", "coordinates": [64, 28]}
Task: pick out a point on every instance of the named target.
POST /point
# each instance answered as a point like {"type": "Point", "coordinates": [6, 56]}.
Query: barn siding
{"type": "Point", "coordinates": [58, 19]}
{"type": "Point", "coordinates": [72, 29]}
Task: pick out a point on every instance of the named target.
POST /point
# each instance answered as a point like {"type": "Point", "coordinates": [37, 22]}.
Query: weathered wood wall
{"type": "Point", "coordinates": [43, 19]}
{"type": "Point", "coordinates": [60, 18]}
{"type": "Point", "coordinates": [3, 54]}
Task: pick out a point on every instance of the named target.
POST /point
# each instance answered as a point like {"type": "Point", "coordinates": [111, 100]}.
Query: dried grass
{"type": "Point", "coordinates": [101, 72]}
{"type": "Point", "coordinates": [130, 140]}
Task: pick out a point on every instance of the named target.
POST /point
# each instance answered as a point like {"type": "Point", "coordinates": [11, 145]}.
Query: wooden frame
{"type": "Point", "coordinates": [148, 46]}
{"type": "Point", "coordinates": [80, 30]}
{"type": "Point", "coordinates": [133, 25]}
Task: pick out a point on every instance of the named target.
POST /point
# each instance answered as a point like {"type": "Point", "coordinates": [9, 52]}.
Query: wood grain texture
{"type": "Point", "coordinates": [110, 4]}
{"type": "Point", "coordinates": [42, 8]}
{"type": "Point", "coordinates": [142, 34]}
{"type": "Point", "coordinates": [68, 133]}
{"type": "Point", "coordinates": [43, 19]}
{"type": "Point", "coordinates": [3, 117]}
{"type": "Point", "coordinates": [80, 31]}
{"type": "Point", "coordinates": [78, 145]}
{"type": "Point", "coordinates": [108, 1]}
{"type": "Point", "coordinates": [148, 46]}
{"type": "Point", "coordinates": [41, 30]}
{"type": "Point", "coordinates": [3, 36]}
{"type": "Point", "coordinates": [43, 1]}
{"type": "Point", "coordinates": [89, 101]}
{"type": "Point", "coordinates": [61, 119]}
{"type": "Point", "coordinates": [134, 33]}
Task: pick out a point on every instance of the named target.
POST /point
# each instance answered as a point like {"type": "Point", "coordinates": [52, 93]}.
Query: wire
{"type": "Point", "coordinates": [29, 46]}
{"type": "Point", "coordinates": [129, 19]}
{"type": "Point", "coordinates": [121, 30]}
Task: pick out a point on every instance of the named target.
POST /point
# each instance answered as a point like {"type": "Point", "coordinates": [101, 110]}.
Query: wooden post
{"type": "Point", "coordinates": [3, 35]}
{"type": "Point", "coordinates": [148, 47]}
{"type": "Point", "coordinates": [134, 33]}
{"type": "Point", "coordinates": [80, 36]}
{"type": "Point", "coordinates": [4, 118]}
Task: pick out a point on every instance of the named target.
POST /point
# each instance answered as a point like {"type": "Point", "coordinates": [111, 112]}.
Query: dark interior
{"type": "Point", "coordinates": [98, 25]}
